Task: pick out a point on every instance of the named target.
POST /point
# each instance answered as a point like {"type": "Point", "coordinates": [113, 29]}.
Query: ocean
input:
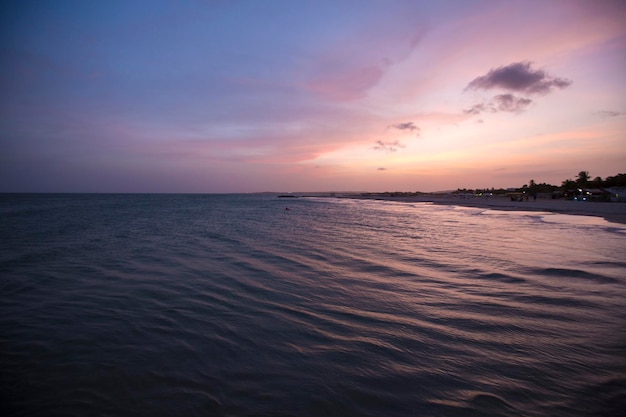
{"type": "Point", "coordinates": [231, 305]}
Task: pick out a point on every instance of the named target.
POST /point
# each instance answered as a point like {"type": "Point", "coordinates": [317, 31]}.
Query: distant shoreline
{"type": "Point", "coordinates": [611, 211]}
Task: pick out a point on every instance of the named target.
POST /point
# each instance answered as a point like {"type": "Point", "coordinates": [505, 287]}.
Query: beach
{"type": "Point", "coordinates": [611, 211]}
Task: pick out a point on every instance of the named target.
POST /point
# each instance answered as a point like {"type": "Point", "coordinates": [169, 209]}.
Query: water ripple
{"type": "Point", "coordinates": [227, 305]}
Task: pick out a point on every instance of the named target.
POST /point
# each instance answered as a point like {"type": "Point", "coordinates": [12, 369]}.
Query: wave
{"type": "Point", "coordinates": [228, 306]}
{"type": "Point", "coordinates": [574, 273]}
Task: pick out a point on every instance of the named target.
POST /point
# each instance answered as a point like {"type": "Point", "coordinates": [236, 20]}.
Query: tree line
{"type": "Point", "coordinates": [582, 181]}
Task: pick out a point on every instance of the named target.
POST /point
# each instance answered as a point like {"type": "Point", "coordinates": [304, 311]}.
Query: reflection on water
{"type": "Point", "coordinates": [230, 305]}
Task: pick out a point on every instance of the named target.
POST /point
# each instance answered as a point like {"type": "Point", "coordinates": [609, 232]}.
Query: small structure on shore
{"type": "Point", "coordinates": [617, 194]}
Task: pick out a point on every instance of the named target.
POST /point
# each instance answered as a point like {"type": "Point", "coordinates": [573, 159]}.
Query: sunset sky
{"type": "Point", "coordinates": [246, 96]}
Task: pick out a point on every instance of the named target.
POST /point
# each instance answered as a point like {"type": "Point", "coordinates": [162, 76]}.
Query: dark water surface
{"type": "Point", "coordinates": [208, 305]}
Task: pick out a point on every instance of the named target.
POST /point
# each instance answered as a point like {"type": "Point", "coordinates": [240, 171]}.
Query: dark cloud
{"type": "Point", "coordinates": [519, 77]}
{"type": "Point", "coordinates": [409, 126]}
{"type": "Point", "coordinates": [502, 102]}
{"type": "Point", "coordinates": [511, 103]}
{"type": "Point", "coordinates": [388, 146]}
{"type": "Point", "coordinates": [477, 109]}
{"type": "Point", "coordinates": [382, 169]}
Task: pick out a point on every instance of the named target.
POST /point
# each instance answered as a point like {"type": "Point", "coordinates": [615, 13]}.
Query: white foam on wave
{"type": "Point", "coordinates": [560, 218]}
{"type": "Point", "coordinates": [524, 213]}
{"type": "Point", "coordinates": [577, 219]}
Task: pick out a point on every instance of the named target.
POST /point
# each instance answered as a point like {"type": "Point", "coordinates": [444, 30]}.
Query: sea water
{"type": "Point", "coordinates": [231, 305]}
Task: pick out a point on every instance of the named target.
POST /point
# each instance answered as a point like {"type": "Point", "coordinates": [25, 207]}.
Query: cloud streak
{"type": "Point", "coordinates": [610, 113]}
{"type": "Point", "coordinates": [511, 103]}
{"type": "Point", "coordinates": [407, 126]}
{"type": "Point", "coordinates": [501, 103]}
{"type": "Point", "coordinates": [347, 85]}
{"type": "Point", "coordinates": [388, 146]}
{"type": "Point", "coordinates": [519, 77]}
{"type": "Point", "coordinates": [410, 126]}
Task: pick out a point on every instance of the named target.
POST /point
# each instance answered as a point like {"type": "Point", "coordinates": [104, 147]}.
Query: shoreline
{"type": "Point", "coordinates": [611, 211]}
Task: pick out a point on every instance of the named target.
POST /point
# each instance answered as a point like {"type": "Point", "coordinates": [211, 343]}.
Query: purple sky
{"type": "Point", "coordinates": [244, 96]}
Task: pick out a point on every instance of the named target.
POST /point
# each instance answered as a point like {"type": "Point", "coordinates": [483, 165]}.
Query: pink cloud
{"type": "Point", "coordinates": [459, 50]}
{"type": "Point", "coordinates": [352, 65]}
{"type": "Point", "coordinates": [271, 147]}
{"type": "Point", "coordinates": [346, 85]}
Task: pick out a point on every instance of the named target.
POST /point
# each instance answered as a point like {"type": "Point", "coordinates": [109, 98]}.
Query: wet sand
{"type": "Point", "coordinates": [612, 212]}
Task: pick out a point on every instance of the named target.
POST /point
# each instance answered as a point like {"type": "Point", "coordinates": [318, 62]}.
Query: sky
{"type": "Point", "coordinates": [217, 96]}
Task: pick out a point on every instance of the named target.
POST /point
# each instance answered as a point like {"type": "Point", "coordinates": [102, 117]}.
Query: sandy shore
{"type": "Point", "coordinates": [612, 212]}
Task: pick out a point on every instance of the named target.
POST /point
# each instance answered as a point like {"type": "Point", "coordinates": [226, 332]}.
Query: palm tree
{"type": "Point", "coordinates": [583, 178]}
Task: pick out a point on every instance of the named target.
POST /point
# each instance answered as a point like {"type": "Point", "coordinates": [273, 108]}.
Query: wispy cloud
{"type": "Point", "coordinates": [354, 61]}
{"type": "Point", "coordinates": [479, 108]}
{"type": "Point", "coordinates": [519, 77]}
{"type": "Point", "coordinates": [501, 103]}
{"type": "Point", "coordinates": [388, 146]}
{"type": "Point", "coordinates": [347, 84]}
{"type": "Point", "coordinates": [610, 113]}
{"type": "Point", "coordinates": [410, 126]}
{"type": "Point", "coordinates": [407, 126]}
{"type": "Point", "coordinates": [511, 103]}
